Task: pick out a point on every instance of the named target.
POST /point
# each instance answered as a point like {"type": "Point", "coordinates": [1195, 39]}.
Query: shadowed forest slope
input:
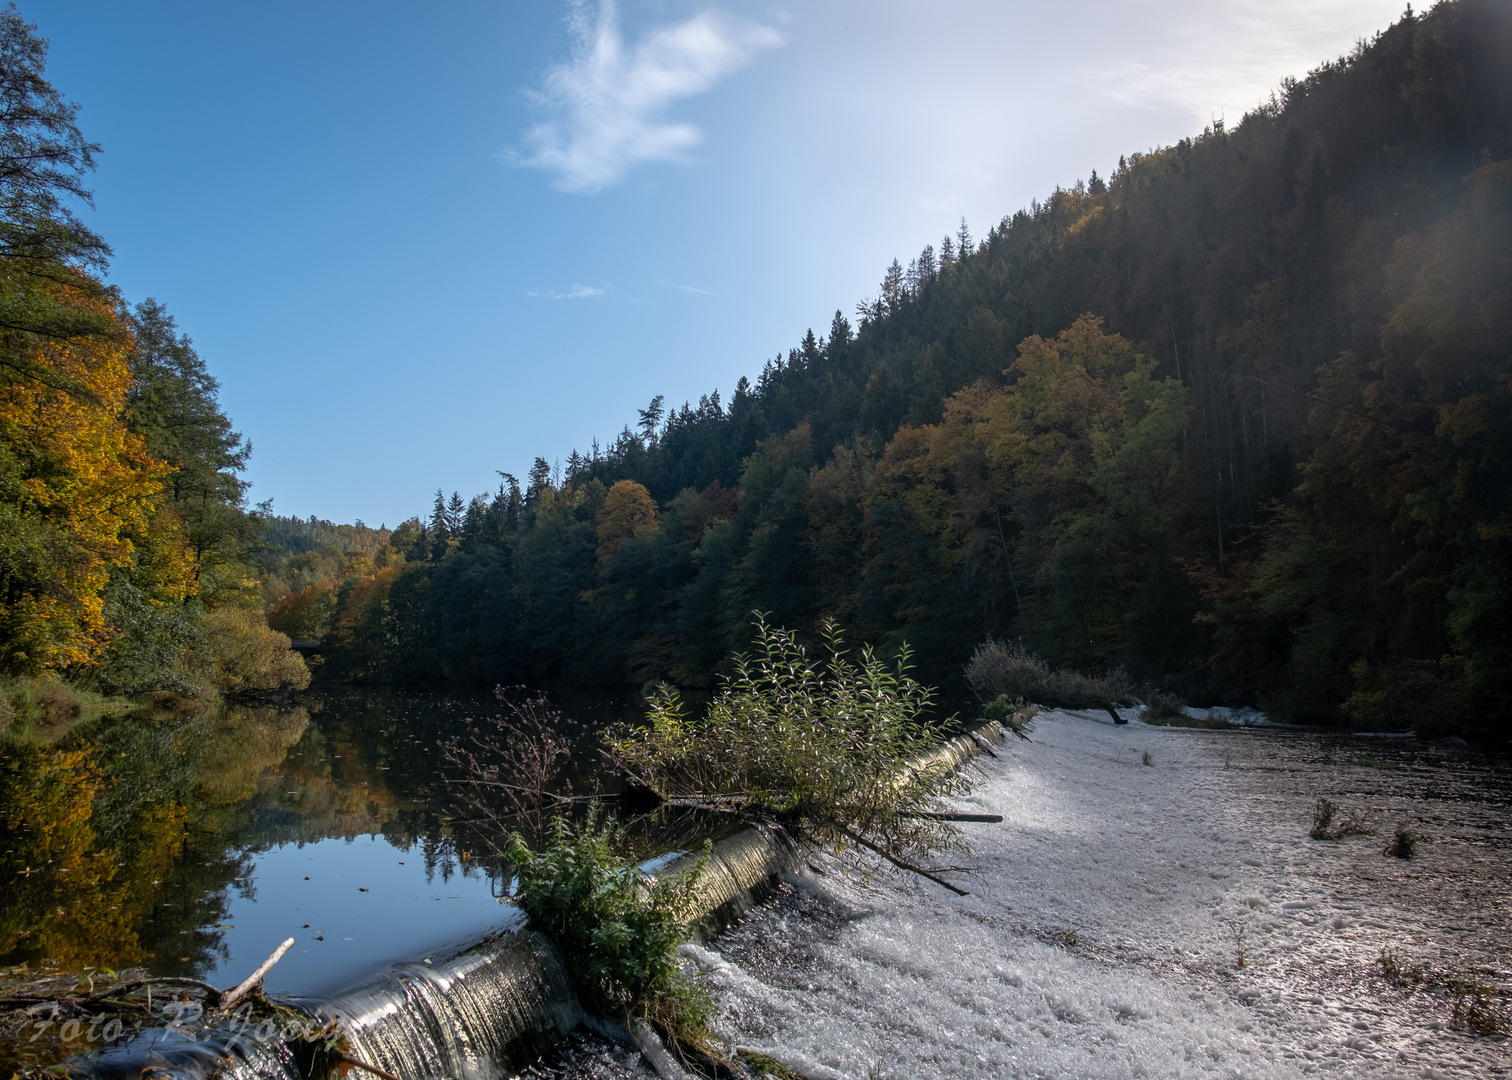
{"type": "Point", "coordinates": [1236, 418]}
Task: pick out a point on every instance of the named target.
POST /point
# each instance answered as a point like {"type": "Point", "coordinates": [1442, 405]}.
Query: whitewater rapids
{"type": "Point", "coordinates": [1110, 909]}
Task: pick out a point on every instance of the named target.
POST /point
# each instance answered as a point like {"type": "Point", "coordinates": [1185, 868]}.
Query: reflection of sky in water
{"type": "Point", "coordinates": [399, 917]}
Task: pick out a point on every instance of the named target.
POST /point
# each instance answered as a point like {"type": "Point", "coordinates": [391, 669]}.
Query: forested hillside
{"type": "Point", "coordinates": [1235, 418]}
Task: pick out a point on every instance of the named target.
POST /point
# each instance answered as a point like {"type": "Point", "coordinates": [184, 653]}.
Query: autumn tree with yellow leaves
{"type": "Point", "coordinates": [120, 500]}
{"type": "Point", "coordinates": [77, 497]}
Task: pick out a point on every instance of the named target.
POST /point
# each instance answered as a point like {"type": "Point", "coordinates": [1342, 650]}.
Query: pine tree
{"type": "Point", "coordinates": [927, 267]}
{"type": "Point", "coordinates": [964, 244]}
{"type": "Point", "coordinates": [839, 335]}
{"type": "Point", "coordinates": [650, 419]}
{"type": "Point", "coordinates": [173, 405]}
{"type": "Point", "coordinates": [892, 286]}
{"type": "Point", "coordinates": [540, 477]}
{"type": "Point", "coordinates": [809, 349]}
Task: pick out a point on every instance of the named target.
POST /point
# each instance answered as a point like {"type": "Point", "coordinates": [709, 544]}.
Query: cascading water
{"type": "Point", "coordinates": [229, 1052]}
{"type": "Point", "coordinates": [471, 1016]}
{"type": "Point", "coordinates": [740, 869]}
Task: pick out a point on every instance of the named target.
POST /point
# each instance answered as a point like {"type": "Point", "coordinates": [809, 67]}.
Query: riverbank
{"type": "Point", "coordinates": [1105, 925]}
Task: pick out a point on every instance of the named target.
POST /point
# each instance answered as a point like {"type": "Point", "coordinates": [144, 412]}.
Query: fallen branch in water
{"type": "Point", "coordinates": [111, 995]}
{"type": "Point", "coordinates": [992, 818]}
{"type": "Point", "coordinates": [254, 980]}
{"type": "Point", "coordinates": [346, 1059]}
{"type": "Point", "coordinates": [213, 994]}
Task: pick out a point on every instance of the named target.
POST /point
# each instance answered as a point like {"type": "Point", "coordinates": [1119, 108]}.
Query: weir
{"type": "Point", "coordinates": [487, 1008]}
{"type": "Point", "coordinates": [472, 1016]}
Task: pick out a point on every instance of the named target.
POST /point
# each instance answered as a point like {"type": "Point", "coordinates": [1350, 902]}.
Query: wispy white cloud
{"type": "Point", "coordinates": [690, 288]}
{"type": "Point", "coordinates": [605, 106]}
{"type": "Point", "coordinates": [577, 292]}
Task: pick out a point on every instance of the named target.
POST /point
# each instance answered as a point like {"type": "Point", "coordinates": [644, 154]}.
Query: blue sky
{"type": "Point", "coordinates": [419, 243]}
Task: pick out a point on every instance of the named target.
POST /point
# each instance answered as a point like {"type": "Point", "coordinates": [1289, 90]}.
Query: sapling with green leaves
{"type": "Point", "coordinates": [837, 746]}
{"type": "Point", "coordinates": [618, 928]}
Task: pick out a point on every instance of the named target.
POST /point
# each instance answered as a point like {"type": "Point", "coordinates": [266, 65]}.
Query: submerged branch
{"type": "Point", "coordinates": [991, 818]}
{"type": "Point", "coordinates": [347, 1059]}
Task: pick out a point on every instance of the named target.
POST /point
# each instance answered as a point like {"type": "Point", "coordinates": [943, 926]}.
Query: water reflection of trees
{"type": "Point", "coordinates": [124, 841]}
{"type": "Point", "coordinates": [117, 842]}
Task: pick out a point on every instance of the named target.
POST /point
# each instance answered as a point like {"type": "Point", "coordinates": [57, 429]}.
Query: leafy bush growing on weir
{"type": "Point", "coordinates": [618, 928]}
{"type": "Point", "coordinates": [837, 747]}
{"type": "Point", "coordinates": [1014, 714]}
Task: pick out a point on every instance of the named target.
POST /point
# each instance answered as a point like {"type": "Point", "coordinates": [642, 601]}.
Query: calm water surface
{"type": "Point", "coordinates": [194, 845]}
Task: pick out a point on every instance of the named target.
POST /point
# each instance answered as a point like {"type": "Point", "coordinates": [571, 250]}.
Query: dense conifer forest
{"type": "Point", "coordinates": [1235, 418]}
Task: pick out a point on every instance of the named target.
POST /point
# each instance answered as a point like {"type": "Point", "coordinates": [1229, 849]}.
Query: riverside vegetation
{"type": "Point", "coordinates": [836, 748]}
{"type": "Point", "coordinates": [129, 598]}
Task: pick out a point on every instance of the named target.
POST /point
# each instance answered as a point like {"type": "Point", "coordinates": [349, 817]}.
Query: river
{"type": "Point", "coordinates": [193, 845]}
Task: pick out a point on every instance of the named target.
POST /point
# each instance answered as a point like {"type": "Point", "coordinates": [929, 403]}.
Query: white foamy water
{"type": "Point", "coordinates": [1106, 920]}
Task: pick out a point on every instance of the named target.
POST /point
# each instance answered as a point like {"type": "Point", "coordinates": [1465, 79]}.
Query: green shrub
{"type": "Point", "coordinates": [1014, 715]}
{"type": "Point", "coordinates": [618, 929]}
{"type": "Point", "coordinates": [838, 748]}
{"type": "Point", "coordinates": [1476, 1005]}
{"type": "Point", "coordinates": [1161, 705]}
{"type": "Point", "coordinates": [1403, 845]}
{"type": "Point", "coordinates": [1323, 816]}
{"type": "Point", "coordinates": [1328, 824]}
{"type": "Point", "coordinates": [1005, 668]}
{"type": "Point", "coordinates": [251, 659]}
{"type": "Point", "coordinates": [157, 646]}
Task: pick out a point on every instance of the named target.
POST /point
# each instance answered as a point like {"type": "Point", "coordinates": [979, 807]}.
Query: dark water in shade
{"type": "Point", "coordinates": [195, 845]}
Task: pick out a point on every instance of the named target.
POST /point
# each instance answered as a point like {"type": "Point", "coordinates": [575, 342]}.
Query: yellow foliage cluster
{"type": "Point", "coordinates": [1068, 478]}
{"type": "Point", "coordinates": [629, 510]}
{"type": "Point", "coordinates": [250, 658]}
{"type": "Point", "coordinates": [85, 492]}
